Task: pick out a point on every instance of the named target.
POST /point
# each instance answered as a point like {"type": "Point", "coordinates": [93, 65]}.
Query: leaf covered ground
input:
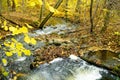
{"type": "Point", "coordinates": [77, 41]}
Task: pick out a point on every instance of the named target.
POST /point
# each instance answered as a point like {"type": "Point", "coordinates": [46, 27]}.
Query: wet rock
{"type": "Point", "coordinates": [104, 58]}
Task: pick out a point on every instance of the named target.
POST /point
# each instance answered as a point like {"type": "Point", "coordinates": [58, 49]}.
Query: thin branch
{"type": "Point", "coordinates": [91, 17]}
{"type": "Point", "coordinates": [50, 14]}
{"type": "Point", "coordinates": [10, 20]}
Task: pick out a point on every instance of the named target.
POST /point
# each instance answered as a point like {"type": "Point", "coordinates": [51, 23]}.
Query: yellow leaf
{"type": "Point", "coordinates": [6, 28]}
{"type": "Point", "coordinates": [32, 4]}
{"type": "Point", "coordinates": [27, 52]}
{"type": "Point", "coordinates": [27, 39]}
{"type": "Point", "coordinates": [117, 33]}
{"type": "Point", "coordinates": [12, 45]}
{"type": "Point", "coordinates": [105, 10]}
{"type": "Point", "coordinates": [23, 30]}
{"type": "Point", "coordinates": [5, 23]}
{"type": "Point", "coordinates": [1, 36]}
{"type": "Point", "coordinates": [19, 53]}
{"type": "Point", "coordinates": [5, 73]}
{"type": "Point", "coordinates": [19, 46]}
{"type": "Point", "coordinates": [4, 61]}
{"type": "Point", "coordinates": [11, 28]}
{"type": "Point", "coordinates": [16, 31]}
{"type": "Point", "coordinates": [40, 2]}
{"type": "Point", "coordinates": [6, 44]}
{"type": "Point", "coordinates": [33, 41]}
{"type": "Point", "coordinates": [51, 9]}
{"type": "Point", "coordinates": [9, 54]}
{"type": "Point", "coordinates": [15, 41]}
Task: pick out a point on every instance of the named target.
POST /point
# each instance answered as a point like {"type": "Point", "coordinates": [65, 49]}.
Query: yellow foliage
{"type": "Point", "coordinates": [33, 3]}
{"type": "Point", "coordinates": [17, 47]}
{"type": "Point", "coordinates": [16, 30]}
{"type": "Point", "coordinates": [33, 41]}
{"type": "Point", "coordinates": [4, 61]}
{"type": "Point", "coordinates": [105, 10]}
{"type": "Point", "coordinates": [50, 8]}
{"type": "Point", "coordinates": [1, 36]}
{"type": "Point", "coordinates": [14, 40]}
{"type": "Point", "coordinates": [5, 73]}
{"type": "Point", "coordinates": [117, 33]}
{"type": "Point", "coordinates": [29, 40]}
{"type": "Point", "coordinates": [27, 52]}
{"type": "Point", "coordinates": [9, 54]}
{"type": "Point", "coordinates": [72, 5]}
{"type": "Point", "coordinates": [6, 44]}
{"type": "Point", "coordinates": [5, 27]}
{"type": "Point", "coordinates": [19, 53]}
{"type": "Point", "coordinates": [12, 45]}
{"type": "Point", "coordinates": [23, 30]}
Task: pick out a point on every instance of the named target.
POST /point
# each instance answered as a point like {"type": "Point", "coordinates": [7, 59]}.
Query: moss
{"type": "Point", "coordinates": [117, 69]}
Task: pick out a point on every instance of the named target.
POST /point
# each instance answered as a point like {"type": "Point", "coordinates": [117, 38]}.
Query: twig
{"type": "Point", "coordinates": [10, 20]}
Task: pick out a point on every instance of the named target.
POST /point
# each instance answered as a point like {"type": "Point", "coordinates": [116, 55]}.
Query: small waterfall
{"type": "Point", "coordinates": [72, 68]}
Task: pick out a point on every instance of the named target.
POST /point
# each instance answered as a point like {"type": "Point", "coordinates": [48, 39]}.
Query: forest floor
{"type": "Point", "coordinates": [77, 41]}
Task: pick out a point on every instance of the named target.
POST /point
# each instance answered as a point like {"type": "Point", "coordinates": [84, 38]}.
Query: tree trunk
{"type": "Point", "coordinates": [78, 6]}
{"type": "Point", "coordinates": [24, 5]}
{"type": "Point", "coordinates": [0, 7]}
{"type": "Point", "coordinates": [66, 11]}
{"type": "Point", "coordinates": [41, 10]}
{"type": "Point", "coordinates": [91, 17]}
{"type": "Point", "coordinates": [13, 5]}
{"type": "Point", "coordinates": [9, 5]}
{"type": "Point", "coordinates": [50, 14]}
{"type": "Point", "coordinates": [107, 16]}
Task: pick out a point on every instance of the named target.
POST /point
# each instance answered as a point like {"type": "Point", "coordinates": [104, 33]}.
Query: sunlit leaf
{"type": "Point", "coordinates": [9, 54]}
{"type": "Point", "coordinates": [6, 28]}
{"type": "Point", "coordinates": [14, 40]}
{"type": "Point", "coordinates": [1, 36]}
{"type": "Point", "coordinates": [27, 52]}
{"type": "Point", "coordinates": [19, 46]}
{"type": "Point", "coordinates": [50, 8]}
{"type": "Point", "coordinates": [117, 33]}
{"type": "Point", "coordinates": [12, 45]}
{"type": "Point", "coordinates": [105, 10]}
{"type": "Point", "coordinates": [33, 41]}
{"type": "Point", "coordinates": [11, 28]}
{"type": "Point", "coordinates": [5, 73]}
{"type": "Point", "coordinates": [5, 23]}
{"type": "Point", "coordinates": [6, 44]}
{"type": "Point", "coordinates": [4, 61]}
{"type": "Point", "coordinates": [16, 31]}
{"type": "Point", "coordinates": [23, 30]}
{"type": "Point", "coordinates": [27, 39]}
{"type": "Point", "coordinates": [40, 2]}
{"type": "Point", "coordinates": [19, 53]}
{"type": "Point", "coordinates": [32, 4]}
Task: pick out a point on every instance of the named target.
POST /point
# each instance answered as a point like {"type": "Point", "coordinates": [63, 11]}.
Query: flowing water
{"type": "Point", "coordinates": [72, 68]}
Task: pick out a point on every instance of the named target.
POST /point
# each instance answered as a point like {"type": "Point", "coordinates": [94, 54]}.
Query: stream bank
{"type": "Point", "coordinates": [59, 41]}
